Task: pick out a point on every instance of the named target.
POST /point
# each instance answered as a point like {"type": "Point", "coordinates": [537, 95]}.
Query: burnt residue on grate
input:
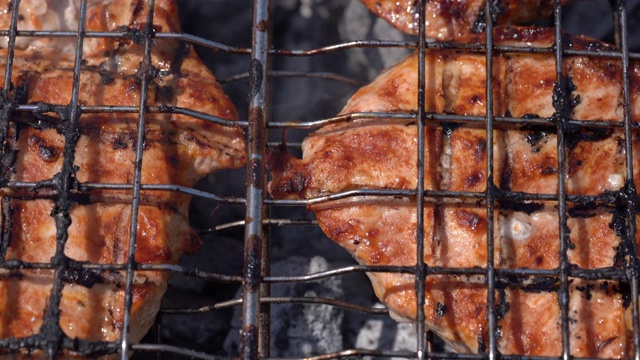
{"type": "Point", "coordinates": [480, 24]}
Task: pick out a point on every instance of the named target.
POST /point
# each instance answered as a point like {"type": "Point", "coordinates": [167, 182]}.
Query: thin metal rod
{"type": "Point", "coordinates": [61, 213]}
{"type": "Point", "coordinates": [364, 116]}
{"type": "Point", "coordinates": [28, 190]}
{"type": "Point", "coordinates": [284, 300]}
{"type": "Point", "coordinates": [297, 74]}
{"type": "Point", "coordinates": [158, 334]}
{"type": "Point", "coordinates": [6, 147]}
{"type": "Point", "coordinates": [436, 120]}
{"type": "Point", "coordinates": [621, 34]}
{"type": "Point", "coordinates": [490, 197]}
{"type": "Point", "coordinates": [10, 51]}
{"type": "Point", "coordinates": [251, 333]}
{"type": "Point", "coordinates": [617, 25]}
{"type": "Point", "coordinates": [145, 73]}
{"type": "Point", "coordinates": [42, 108]}
{"type": "Point", "coordinates": [219, 47]}
{"type": "Point", "coordinates": [348, 45]}
{"type": "Point", "coordinates": [420, 273]}
{"type": "Point", "coordinates": [7, 103]}
{"type": "Point", "coordinates": [561, 104]}
{"type": "Point", "coordinates": [268, 221]}
{"type": "Point", "coordinates": [609, 273]}
{"type": "Point", "coordinates": [358, 354]}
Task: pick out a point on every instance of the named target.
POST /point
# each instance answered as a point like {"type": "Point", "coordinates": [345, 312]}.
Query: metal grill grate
{"type": "Point", "coordinates": [559, 122]}
{"type": "Point", "coordinates": [256, 278]}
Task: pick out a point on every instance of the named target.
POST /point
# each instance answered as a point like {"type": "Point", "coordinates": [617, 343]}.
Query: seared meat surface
{"type": "Point", "coordinates": [452, 20]}
{"type": "Point", "coordinates": [382, 154]}
{"type": "Point", "coordinates": [178, 150]}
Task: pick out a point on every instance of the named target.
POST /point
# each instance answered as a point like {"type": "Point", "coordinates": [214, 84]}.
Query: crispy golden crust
{"type": "Point", "coordinates": [83, 309]}
{"type": "Point", "coordinates": [453, 20]}
{"type": "Point", "coordinates": [178, 150]}
{"type": "Point", "coordinates": [382, 154]}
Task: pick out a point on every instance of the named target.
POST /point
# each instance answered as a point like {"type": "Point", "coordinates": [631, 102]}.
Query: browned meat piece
{"type": "Point", "coordinates": [451, 20]}
{"type": "Point", "coordinates": [178, 150]}
{"type": "Point", "coordinates": [382, 154]}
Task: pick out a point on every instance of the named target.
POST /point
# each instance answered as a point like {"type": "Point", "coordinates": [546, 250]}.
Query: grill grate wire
{"type": "Point", "coordinates": [560, 104]}
{"type": "Point", "coordinates": [420, 274]}
{"type": "Point", "coordinates": [489, 197]}
{"type": "Point", "coordinates": [256, 278]}
{"type": "Point", "coordinates": [621, 35]}
{"type": "Point", "coordinates": [145, 69]}
{"type": "Point", "coordinates": [255, 320]}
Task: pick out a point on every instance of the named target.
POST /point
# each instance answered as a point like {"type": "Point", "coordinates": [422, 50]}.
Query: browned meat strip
{"type": "Point", "coordinates": [382, 154]}
{"type": "Point", "coordinates": [178, 150]}
{"type": "Point", "coordinates": [452, 20]}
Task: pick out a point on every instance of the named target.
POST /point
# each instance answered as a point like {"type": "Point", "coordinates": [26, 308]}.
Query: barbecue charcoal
{"type": "Point", "coordinates": [300, 329]}
{"type": "Point", "coordinates": [384, 333]}
{"type": "Point", "coordinates": [589, 20]}
{"type": "Point", "coordinates": [212, 247]}
{"type": "Point", "coordinates": [201, 332]}
{"type": "Point", "coordinates": [357, 23]}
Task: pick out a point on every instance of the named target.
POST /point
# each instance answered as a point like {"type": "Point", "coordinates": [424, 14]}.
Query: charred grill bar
{"type": "Point", "coordinates": [630, 189]}
{"type": "Point", "coordinates": [489, 190]}
{"type": "Point", "coordinates": [562, 106]}
{"type": "Point", "coordinates": [146, 74]}
{"type": "Point", "coordinates": [51, 328]}
{"type": "Point", "coordinates": [420, 272]}
{"type": "Point", "coordinates": [255, 323]}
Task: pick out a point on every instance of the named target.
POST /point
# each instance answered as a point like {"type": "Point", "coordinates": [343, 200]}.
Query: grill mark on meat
{"type": "Point", "coordinates": [470, 220]}
{"type": "Point", "coordinates": [47, 152]}
{"type": "Point", "coordinates": [535, 135]}
{"type": "Point", "coordinates": [528, 284]}
{"type": "Point", "coordinates": [624, 249]}
{"type": "Point", "coordinates": [575, 135]}
{"type": "Point", "coordinates": [474, 179]}
{"type": "Point", "coordinates": [84, 277]}
{"type": "Point", "coordinates": [7, 225]}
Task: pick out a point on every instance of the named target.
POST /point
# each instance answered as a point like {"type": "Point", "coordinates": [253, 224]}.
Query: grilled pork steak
{"type": "Point", "coordinates": [452, 20]}
{"type": "Point", "coordinates": [382, 154]}
{"type": "Point", "coordinates": [178, 150]}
